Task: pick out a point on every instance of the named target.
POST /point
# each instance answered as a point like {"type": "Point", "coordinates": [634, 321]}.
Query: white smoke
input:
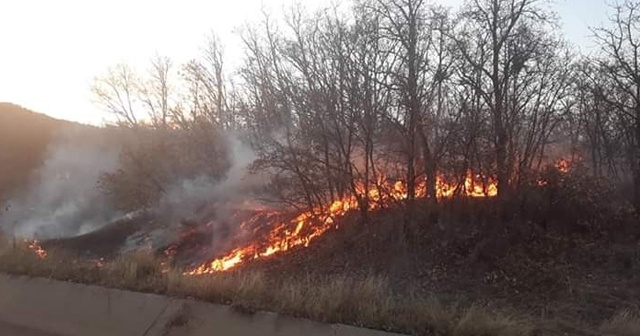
{"type": "Point", "coordinates": [186, 198]}
{"type": "Point", "coordinates": [62, 200]}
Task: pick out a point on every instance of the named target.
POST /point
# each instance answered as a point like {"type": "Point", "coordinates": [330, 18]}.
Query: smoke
{"type": "Point", "coordinates": [62, 200]}
{"type": "Point", "coordinates": [205, 200]}
{"type": "Point", "coordinates": [186, 198]}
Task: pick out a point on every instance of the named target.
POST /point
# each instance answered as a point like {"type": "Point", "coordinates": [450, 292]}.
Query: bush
{"type": "Point", "coordinates": [573, 202]}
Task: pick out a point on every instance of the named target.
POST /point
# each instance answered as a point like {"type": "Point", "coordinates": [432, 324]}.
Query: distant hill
{"type": "Point", "coordinates": [24, 137]}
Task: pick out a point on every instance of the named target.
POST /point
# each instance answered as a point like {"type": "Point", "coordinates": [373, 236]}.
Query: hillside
{"type": "Point", "coordinates": [24, 138]}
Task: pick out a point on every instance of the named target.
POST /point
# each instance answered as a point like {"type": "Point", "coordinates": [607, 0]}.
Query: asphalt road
{"type": "Point", "coordinates": [12, 330]}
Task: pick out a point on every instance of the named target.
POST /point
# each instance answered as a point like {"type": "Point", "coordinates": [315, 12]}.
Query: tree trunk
{"type": "Point", "coordinates": [502, 165]}
{"type": "Point", "coordinates": [636, 188]}
{"type": "Point", "coordinates": [636, 162]}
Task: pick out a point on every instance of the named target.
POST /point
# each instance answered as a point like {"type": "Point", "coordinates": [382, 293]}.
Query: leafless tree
{"type": "Point", "coordinates": [208, 88]}
{"type": "Point", "coordinates": [155, 92]}
{"type": "Point", "coordinates": [117, 93]}
{"type": "Point", "coordinates": [337, 101]}
{"type": "Point", "coordinates": [496, 40]}
{"type": "Point", "coordinates": [620, 64]}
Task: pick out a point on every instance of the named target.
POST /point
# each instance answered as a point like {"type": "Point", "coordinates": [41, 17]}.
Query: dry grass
{"type": "Point", "coordinates": [366, 301]}
{"type": "Point", "coordinates": [625, 323]}
{"type": "Point", "coordinates": [476, 321]}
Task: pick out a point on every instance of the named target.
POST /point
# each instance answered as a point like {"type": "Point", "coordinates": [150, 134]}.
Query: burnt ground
{"type": "Point", "coordinates": [106, 242]}
{"type": "Point", "coordinates": [109, 241]}
{"type": "Point", "coordinates": [186, 242]}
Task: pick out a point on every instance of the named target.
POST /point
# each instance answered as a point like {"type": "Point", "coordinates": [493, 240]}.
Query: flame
{"type": "Point", "coordinates": [563, 165]}
{"type": "Point", "coordinates": [99, 263]}
{"type": "Point", "coordinates": [475, 186]}
{"type": "Point", "coordinates": [39, 251]}
{"type": "Point", "coordinates": [309, 225]}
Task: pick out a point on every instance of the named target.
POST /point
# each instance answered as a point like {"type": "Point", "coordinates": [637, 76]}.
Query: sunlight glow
{"type": "Point", "coordinates": [53, 49]}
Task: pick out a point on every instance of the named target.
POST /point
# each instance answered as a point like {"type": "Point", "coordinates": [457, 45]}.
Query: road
{"type": "Point", "coordinates": [12, 330]}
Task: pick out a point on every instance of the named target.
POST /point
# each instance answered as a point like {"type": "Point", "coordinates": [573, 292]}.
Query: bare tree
{"type": "Point", "coordinates": [117, 93]}
{"type": "Point", "coordinates": [155, 93]}
{"type": "Point", "coordinates": [620, 62]}
{"type": "Point", "coordinates": [208, 87]}
{"type": "Point", "coordinates": [403, 26]}
{"type": "Point", "coordinates": [487, 42]}
{"type": "Point", "coordinates": [600, 128]}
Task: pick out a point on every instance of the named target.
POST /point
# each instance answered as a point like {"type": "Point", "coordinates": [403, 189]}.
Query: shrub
{"type": "Point", "coordinates": [573, 201]}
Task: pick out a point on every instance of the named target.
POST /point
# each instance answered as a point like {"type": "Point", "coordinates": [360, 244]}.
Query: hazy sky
{"type": "Point", "coordinates": [51, 50]}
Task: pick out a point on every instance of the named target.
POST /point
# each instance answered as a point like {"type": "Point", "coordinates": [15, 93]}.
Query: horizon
{"type": "Point", "coordinates": [58, 83]}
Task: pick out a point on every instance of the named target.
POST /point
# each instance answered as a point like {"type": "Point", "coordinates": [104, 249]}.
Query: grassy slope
{"type": "Point", "coordinates": [364, 301]}
{"type": "Point", "coordinates": [366, 298]}
{"type": "Point", "coordinates": [568, 283]}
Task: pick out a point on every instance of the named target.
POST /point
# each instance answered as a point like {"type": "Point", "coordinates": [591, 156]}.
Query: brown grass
{"type": "Point", "coordinates": [625, 323]}
{"type": "Point", "coordinates": [364, 301]}
{"type": "Point", "coordinates": [476, 321]}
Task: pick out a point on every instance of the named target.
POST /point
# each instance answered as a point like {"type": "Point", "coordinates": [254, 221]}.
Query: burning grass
{"type": "Point", "coordinates": [366, 301]}
{"type": "Point", "coordinates": [313, 223]}
{"type": "Point", "coordinates": [532, 259]}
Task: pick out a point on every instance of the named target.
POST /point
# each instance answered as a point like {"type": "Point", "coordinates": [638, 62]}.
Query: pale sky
{"type": "Point", "coordinates": [50, 51]}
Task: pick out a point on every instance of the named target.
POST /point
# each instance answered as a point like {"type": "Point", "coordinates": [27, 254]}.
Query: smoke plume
{"type": "Point", "coordinates": [62, 200]}
{"type": "Point", "coordinates": [186, 198]}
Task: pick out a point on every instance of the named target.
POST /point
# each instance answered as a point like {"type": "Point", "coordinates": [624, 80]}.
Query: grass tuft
{"type": "Point", "coordinates": [477, 321]}
{"type": "Point", "coordinates": [625, 323]}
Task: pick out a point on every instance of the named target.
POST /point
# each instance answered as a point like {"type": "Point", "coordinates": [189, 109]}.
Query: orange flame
{"type": "Point", "coordinates": [563, 165]}
{"type": "Point", "coordinates": [39, 251]}
{"type": "Point", "coordinates": [311, 224]}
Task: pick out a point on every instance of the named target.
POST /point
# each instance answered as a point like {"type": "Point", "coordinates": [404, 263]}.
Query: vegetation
{"type": "Point", "coordinates": [394, 96]}
{"type": "Point", "coordinates": [623, 324]}
{"type": "Point", "coordinates": [335, 101]}
{"type": "Point", "coordinates": [366, 301]}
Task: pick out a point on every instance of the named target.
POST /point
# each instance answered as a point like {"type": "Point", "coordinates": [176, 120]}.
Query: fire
{"type": "Point", "coordinates": [563, 165]}
{"type": "Point", "coordinates": [39, 251]}
{"type": "Point", "coordinates": [309, 225]}
{"type": "Point", "coordinates": [99, 263]}
{"type": "Point", "coordinates": [475, 186]}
